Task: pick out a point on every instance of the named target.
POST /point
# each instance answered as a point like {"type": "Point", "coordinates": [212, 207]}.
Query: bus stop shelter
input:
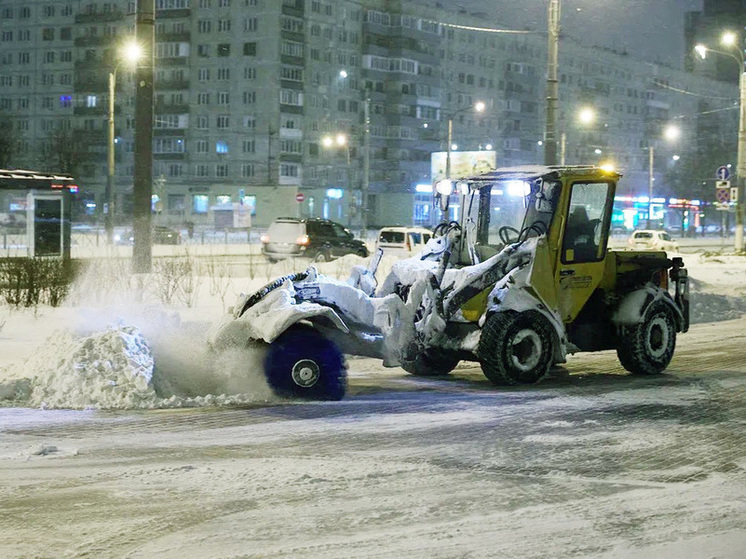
{"type": "Point", "coordinates": [37, 207]}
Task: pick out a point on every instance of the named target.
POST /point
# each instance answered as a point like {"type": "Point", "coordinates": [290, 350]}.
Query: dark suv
{"type": "Point", "coordinates": [318, 239]}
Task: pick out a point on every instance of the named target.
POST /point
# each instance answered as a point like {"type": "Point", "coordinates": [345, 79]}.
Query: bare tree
{"type": "Point", "coordinates": [65, 151]}
{"type": "Point", "coordinates": [8, 138]}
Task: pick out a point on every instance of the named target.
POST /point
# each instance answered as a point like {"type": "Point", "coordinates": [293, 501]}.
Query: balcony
{"type": "Point", "coordinates": [100, 17]}
{"type": "Point", "coordinates": [94, 41]}
{"type": "Point", "coordinates": [91, 111]}
{"type": "Point", "coordinates": [171, 108]}
{"type": "Point", "coordinates": [183, 37]}
{"type": "Point", "coordinates": [165, 85]}
{"type": "Point", "coordinates": [173, 14]}
{"type": "Point", "coordinates": [296, 10]}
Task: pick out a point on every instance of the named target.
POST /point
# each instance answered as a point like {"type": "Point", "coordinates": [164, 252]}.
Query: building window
{"type": "Point", "coordinates": [224, 25]}
{"type": "Point", "coordinates": [249, 73]}
{"type": "Point", "coordinates": [288, 170]}
{"type": "Point", "coordinates": [224, 74]}
{"type": "Point", "coordinates": [203, 51]}
{"type": "Point", "coordinates": [249, 97]}
{"type": "Point", "coordinates": [288, 48]}
{"type": "Point", "coordinates": [221, 170]}
{"type": "Point", "coordinates": [203, 122]}
{"type": "Point", "coordinates": [203, 98]}
{"type": "Point", "coordinates": [203, 74]}
{"type": "Point", "coordinates": [249, 122]}
{"type": "Point", "coordinates": [201, 146]}
{"type": "Point", "coordinates": [249, 146]}
{"type": "Point", "coordinates": [247, 170]}
{"type": "Point", "coordinates": [223, 97]}
{"type": "Point", "coordinates": [221, 147]}
{"type": "Point", "coordinates": [249, 49]}
{"type": "Point", "coordinates": [223, 121]}
{"type": "Point", "coordinates": [250, 24]}
{"type": "Point", "coordinates": [224, 49]}
{"type": "Point", "coordinates": [291, 97]}
{"type": "Point", "coordinates": [203, 26]}
{"type": "Point", "coordinates": [47, 34]}
{"type": "Point", "coordinates": [201, 202]}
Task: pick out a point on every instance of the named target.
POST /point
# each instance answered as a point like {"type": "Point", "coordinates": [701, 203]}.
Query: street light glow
{"type": "Point", "coordinates": [132, 52]}
{"type": "Point", "coordinates": [454, 147]}
{"type": "Point", "coordinates": [488, 147]}
{"type": "Point", "coordinates": [341, 139]}
{"type": "Point", "coordinates": [479, 106]}
{"type": "Point", "coordinates": [672, 132]}
{"type": "Point", "coordinates": [701, 51]}
{"type": "Point", "coordinates": [326, 141]}
{"type": "Point", "coordinates": [728, 39]}
{"type": "Point", "coordinates": [676, 157]}
{"type": "Point", "coordinates": [342, 74]}
{"type": "Point", "coordinates": [587, 115]}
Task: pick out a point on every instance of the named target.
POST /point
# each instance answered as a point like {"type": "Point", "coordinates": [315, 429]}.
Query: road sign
{"type": "Point", "coordinates": [722, 195]}
{"type": "Point", "coordinates": [722, 184]}
{"type": "Point", "coordinates": [300, 197]}
{"type": "Point", "coordinates": [734, 194]}
{"type": "Point", "coordinates": [723, 173]}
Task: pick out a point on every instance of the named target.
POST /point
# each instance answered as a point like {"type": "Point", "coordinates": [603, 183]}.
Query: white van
{"type": "Point", "coordinates": [404, 241]}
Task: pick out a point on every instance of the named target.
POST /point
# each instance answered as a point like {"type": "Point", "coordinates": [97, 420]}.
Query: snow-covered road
{"type": "Point", "coordinates": [590, 463]}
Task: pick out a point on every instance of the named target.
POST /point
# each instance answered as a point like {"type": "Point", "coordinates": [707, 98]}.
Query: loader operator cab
{"type": "Point", "coordinates": [571, 205]}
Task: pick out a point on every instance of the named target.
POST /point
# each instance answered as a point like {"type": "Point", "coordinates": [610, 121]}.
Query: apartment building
{"type": "Point", "coordinates": [251, 97]}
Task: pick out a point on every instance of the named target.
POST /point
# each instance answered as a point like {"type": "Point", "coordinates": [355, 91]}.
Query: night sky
{"type": "Point", "coordinates": [649, 29]}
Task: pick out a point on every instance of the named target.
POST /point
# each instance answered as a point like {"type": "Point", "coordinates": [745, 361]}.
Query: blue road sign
{"type": "Point", "coordinates": [723, 173]}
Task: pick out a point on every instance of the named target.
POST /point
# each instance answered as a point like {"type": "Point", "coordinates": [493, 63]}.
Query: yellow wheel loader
{"type": "Point", "coordinates": [522, 277]}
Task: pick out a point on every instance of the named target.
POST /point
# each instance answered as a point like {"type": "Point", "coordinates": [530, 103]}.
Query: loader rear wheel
{"type": "Point", "coordinates": [302, 363]}
{"type": "Point", "coordinates": [647, 348]}
{"type": "Point", "coordinates": [515, 348]}
{"type": "Point", "coordinates": [430, 365]}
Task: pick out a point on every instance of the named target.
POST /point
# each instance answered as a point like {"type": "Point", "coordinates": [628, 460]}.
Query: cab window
{"type": "Point", "coordinates": [586, 226]}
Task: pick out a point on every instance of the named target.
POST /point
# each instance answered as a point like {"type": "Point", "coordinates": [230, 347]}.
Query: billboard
{"type": "Point", "coordinates": [463, 163]}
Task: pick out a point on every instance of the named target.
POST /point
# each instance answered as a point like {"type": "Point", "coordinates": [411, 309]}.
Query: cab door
{"type": "Point", "coordinates": [584, 242]}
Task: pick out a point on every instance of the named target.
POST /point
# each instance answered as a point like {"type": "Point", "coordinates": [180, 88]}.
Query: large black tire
{"type": "Point", "coordinates": [516, 348]}
{"type": "Point", "coordinates": [302, 363]}
{"type": "Point", "coordinates": [647, 347]}
{"type": "Point", "coordinates": [430, 365]}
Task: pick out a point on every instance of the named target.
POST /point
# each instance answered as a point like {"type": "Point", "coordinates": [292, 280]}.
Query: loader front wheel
{"type": "Point", "coordinates": [515, 348]}
{"type": "Point", "coordinates": [647, 348]}
{"type": "Point", "coordinates": [430, 365]}
{"type": "Point", "coordinates": [302, 363]}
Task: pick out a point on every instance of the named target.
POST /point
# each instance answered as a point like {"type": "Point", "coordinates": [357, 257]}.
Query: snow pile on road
{"type": "Point", "coordinates": [109, 369]}
{"type": "Point", "coordinates": [711, 307]}
{"type": "Point", "coordinates": [161, 363]}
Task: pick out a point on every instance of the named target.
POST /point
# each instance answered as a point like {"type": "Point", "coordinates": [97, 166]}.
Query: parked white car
{"type": "Point", "coordinates": [404, 241]}
{"type": "Point", "coordinates": [652, 239]}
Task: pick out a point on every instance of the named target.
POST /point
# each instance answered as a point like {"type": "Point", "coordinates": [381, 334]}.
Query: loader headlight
{"type": "Point", "coordinates": [444, 187]}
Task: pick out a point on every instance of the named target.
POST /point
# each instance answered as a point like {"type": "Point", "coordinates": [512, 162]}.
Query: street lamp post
{"type": "Point", "coordinates": [671, 134]}
{"type": "Point", "coordinates": [341, 141]}
{"type": "Point", "coordinates": [479, 107]}
{"type": "Point", "coordinates": [586, 116]}
{"type": "Point", "coordinates": [131, 55]}
{"type": "Point", "coordinates": [731, 40]}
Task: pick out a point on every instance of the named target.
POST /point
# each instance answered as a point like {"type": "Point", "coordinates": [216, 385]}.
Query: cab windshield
{"type": "Point", "coordinates": [510, 208]}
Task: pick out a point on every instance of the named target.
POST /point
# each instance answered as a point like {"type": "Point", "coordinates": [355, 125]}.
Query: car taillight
{"type": "Point", "coordinates": [264, 238]}
{"type": "Point", "coordinates": [303, 240]}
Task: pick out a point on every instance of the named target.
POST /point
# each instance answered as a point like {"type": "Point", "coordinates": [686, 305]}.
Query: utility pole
{"type": "Point", "coordinates": [741, 165]}
{"type": "Point", "coordinates": [366, 169]}
{"type": "Point", "coordinates": [651, 179]}
{"type": "Point", "coordinates": [108, 198]}
{"type": "Point", "coordinates": [143, 187]}
{"type": "Point", "coordinates": [550, 135]}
